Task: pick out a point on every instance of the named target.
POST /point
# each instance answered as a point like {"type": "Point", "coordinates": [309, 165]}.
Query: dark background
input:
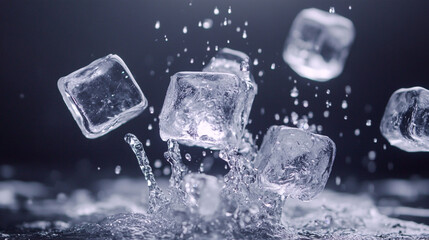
{"type": "Point", "coordinates": [41, 41]}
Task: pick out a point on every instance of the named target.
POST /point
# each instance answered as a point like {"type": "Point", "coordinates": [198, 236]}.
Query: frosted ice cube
{"type": "Point", "coordinates": [294, 163]}
{"type": "Point", "coordinates": [318, 44]}
{"type": "Point", "coordinates": [102, 96]}
{"type": "Point", "coordinates": [232, 61]}
{"type": "Point", "coordinates": [405, 123]}
{"type": "Point", "coordinates": [205, 109]}
{"type": "Point", "coordinates": [203, 193]}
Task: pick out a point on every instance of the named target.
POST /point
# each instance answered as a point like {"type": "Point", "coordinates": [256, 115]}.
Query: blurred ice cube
{"type": "Point", "coordinates": [203, 193]}
{"type": "Point", "coordinates": [294, 163]}
{"type": "Point", "coordinates": [405, 123]}
{"type": "Point", "coordinates": [205, 109]}
{"type": "Point", "coordinates": [102, 96]}
{"type": "Point", "coordinates": [318, 44]}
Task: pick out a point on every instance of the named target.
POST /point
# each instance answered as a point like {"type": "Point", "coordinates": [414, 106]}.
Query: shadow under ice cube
{"type": "Point", "coordinates": [318, 44]}
{"type": "Point", "coordinates": [294, 163]}
{"type": "Point", "coordinates": [205, 109]}
{"type": "Point", "coordinates": [102, 96]}
{"type": "Point", "coordinates": [405, 123]}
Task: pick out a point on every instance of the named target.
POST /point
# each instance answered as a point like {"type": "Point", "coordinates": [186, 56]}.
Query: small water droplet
{"type": "Point", "coordinates": [273, 66]}
{"type": "Point", "coordinates": [368, 123]}
{"type": "Point", "coordinates": [149, 127]}
{"type": "Point", "coordinates": [229, 10]}
{"type": "Point", "coordinates": [244, 34]}
{"type": "Point", "coordinates": [344, 104]}
{"type": "Point", "coordinates": [185, 30]}
{"type": "Point", "coordinates": [151, 109]}
{"type": "Point", "coordinates": [188, 157]}
{"type": "Point", "coordinates": [216, 11]}
{"type": "Point", "coordinates": [118, 169]}
{"type": "Point", "coordinates": [255, 62]}
{"type": "Point", "coordinates": [277, 117]}
{"type": "Point", "coordinates": [207, 23]}
{"type": "Point", "coordinates": [326, 114]}
{"type": "Point", "coordinates": [372, 155]}
{"type": "Point", "coordinates": [294, 92]}
{"type": "Point", "coordinates": [157, 25]}
{"type": "Point", "coordinates": [331, 10]}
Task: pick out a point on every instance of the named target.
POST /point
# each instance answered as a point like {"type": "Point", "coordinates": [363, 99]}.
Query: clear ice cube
{"type": "Point", "coordinates": [232, 61]}
{"type": "Point", "coordinates": [203, 193]}
{"type": "Point", "coordinates": [102, 96]}
{"type": "Point", "coordinates": [294, 163]}
{"type": "Point", "coordinates": [405, 123]}
{"type": "Point", "coordinates": [318, 44]}
{"type": "Point", "coordinates": [205, 109]}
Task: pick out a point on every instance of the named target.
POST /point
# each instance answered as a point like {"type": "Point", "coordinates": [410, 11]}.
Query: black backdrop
{"type": "Point", "coordinates": [41, 41]}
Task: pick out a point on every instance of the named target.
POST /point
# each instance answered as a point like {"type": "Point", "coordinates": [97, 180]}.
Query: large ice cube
{"type": "Point", "coordinates": [405, 123]}
{"type": "Point", "coordinates": [294, 163]}
{"type": "Point", "coordinates": [102, 96]}
{"type": "Point", "coordinates": [203, 193]}
{"type": "Point", "coordinates": [318, 44]}
{"type": "Point", "coordinates": [205, 109]}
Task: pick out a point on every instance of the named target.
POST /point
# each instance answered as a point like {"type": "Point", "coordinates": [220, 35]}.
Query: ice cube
{"type": "Point", "coordinates": [318, 44]}
{"type": "Point", "coordinates": [203, 193]}
{"type": "Point", "coordinates": [232, 61]}
{"type": "Point", "coordinates": [102, 96]}
{"type": "Point", "coordinates": [294, 163]}
{"type": "Point", "coordinates": [405, 123]}
{"type": "Point", "coordinates": [205, 109]}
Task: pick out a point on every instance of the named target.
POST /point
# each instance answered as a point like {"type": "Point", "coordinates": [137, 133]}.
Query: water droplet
{"type": "Point", "coordinates": [216, 11]}
{"type": "Point", "coordinates": [328, 91]}
{"type": "Point", "coordinates": [326, 114]}
{"type": "Point", "coordinates": [157, 25]}
{"type": "Point", "coordinates": [157, 163]}
{"type": "Point", "coordinates": [151, 109]}
{"type": "Point", "coordinates": [149, 127]}
{"type": "Point", "coordinates": [357, 132]}
{"type": "Point", "coordinates": [229, 10]}
{"type": "Point", "coordinates": [368, 123]}
{"type": "Point", "coordinates": [246, 23]}
{"type": "Point", "coordinates": [273, 66]}
{"type": "Point", "coordinates": [118, 169]}
{"type": "Point", "coordinates": [188, 157]}
{"type": "Point", "coordinates": [259, 50]}
{"type": "Point", "coordinates": [261, 73]}
{"type": "Point", "coordinates": [286, 120]}
{"type": "Point", "coordinates": [294, 92]}
{"type": "Point", "coordinates": [207, 23]}
{"type": "Point", "coordinates": [147, 143]}
{"type": "Point", "coordinates": [372, 155]}
{"type": "Point", "coordinates": [98, 168]}
{"type": "Point", "coordinates": [204, 153]}
{"type": "Point", "coordinates": [344, 105]}
{"type": "Point", "coordinates": [255, 62]}
{"type": "Point", "coordinates": [328, 104]}
{"type": "Point", "coordinates": [276, 116]}
{"type": "Point", "coordinates": [348, 90]}
{"type": "Point", "coordinates": [331, 10]}
{"type": "Point", "coordinates": [305, 103]}
{"type": "Point", "coordinates": [185, 30]}
{"type": "Point", "coordinates": [244, 34]}
{"type": "Point", "coordinates": [337, 181]}
{"type": "Point", "coordinates": [350, 7]}
{"type": "Point", "coordinates": [191, 61]}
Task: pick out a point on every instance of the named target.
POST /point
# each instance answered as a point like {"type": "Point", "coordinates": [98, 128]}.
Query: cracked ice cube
{"type": "Point", "coordinates": [318, 44]}
{"type": "Point", "coordinates": [205, 109]}
{"type": "Point", "coordinates": [231, 61]}
{"type": "Point", "coordinates": [294, 163]}
{"type": "Point", "coordinates": [102, 96]}
{"type": "Point", "coordinates": [203, 193]}
{"type": "Point", "coordinates": [405, 123]}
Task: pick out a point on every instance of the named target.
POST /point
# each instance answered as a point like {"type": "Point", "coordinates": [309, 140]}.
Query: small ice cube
{"type": "Point", "coordinates": [232, 61]}
{"type": "Point", "coordinates": [205, 109]}
{"type": "Point", "coordinates": [405, 123]}
{"type": "Point", "coordinates": [294, 163]}
{"type": "Point", "coordinates": [203, 193]}
{"type": "Point", "coordinates": [318, 44]}
{"type": "Point", "coordinates": [102, 96]}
